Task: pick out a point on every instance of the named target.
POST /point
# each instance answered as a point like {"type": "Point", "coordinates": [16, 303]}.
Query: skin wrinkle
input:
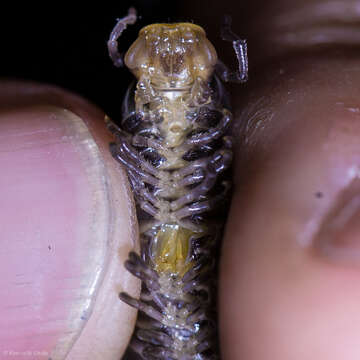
{"type": "Point", "coordinates": [289, 300]}
{"type": "Point", "coordinates": [311, 143]}
{"type": "Point", "coordinates": [298, 132]}
{"type": "Point", "coordinates": [312, 23]}
{"type": "Point", "coordinates": [337, 235]}
{"type": "Point", "coordinates": [263, 23]}
{"type": "Point", "coordinates": [338, 12]}
{"type": "Point", "coordinates": [254, 128]}
{"type": "Point", "coordinates": [319, 35]}
{"type": "Point", "coordinates": [292, 26]}
{"type": "Point", "coordinates": [254, 123]}
{"type": "Point", "coordinates": [251, 120]}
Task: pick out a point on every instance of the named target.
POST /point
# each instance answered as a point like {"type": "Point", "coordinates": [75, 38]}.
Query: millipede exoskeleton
{"type": "Point", "coordinates": [174, 145]}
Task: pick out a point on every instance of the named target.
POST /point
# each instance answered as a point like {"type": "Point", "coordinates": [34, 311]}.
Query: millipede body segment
{"type": "Point", "coordinates": [174, 146]}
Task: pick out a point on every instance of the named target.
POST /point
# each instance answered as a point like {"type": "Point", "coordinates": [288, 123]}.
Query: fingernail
{"type": "Point", "coordinates": [66, 229]}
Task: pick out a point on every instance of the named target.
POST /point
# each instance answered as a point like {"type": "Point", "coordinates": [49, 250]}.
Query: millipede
{"type": "Point", "coordinates": [173, 140]}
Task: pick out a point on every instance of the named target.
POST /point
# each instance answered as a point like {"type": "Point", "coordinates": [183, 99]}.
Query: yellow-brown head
{"type": "Point", "coordinates": [171, 55]}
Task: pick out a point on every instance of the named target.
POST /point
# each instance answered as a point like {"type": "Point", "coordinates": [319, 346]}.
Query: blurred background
{"type": "Point", "coordinates": [66, 46]}
{"type": "Point", "coordinates": [59, 44]}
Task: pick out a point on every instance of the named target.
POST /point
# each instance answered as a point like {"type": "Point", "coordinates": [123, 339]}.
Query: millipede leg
{"type": "Point", "coordinates": [150, 227]}
{"type": "Point", "coordinates": [220, 161]}
{"type": "Point", "coordinates": [152, 352]}
{"type": "Point", "coordinates": [139, 140]}
{"type": "Point", "coordinates": [190, 225]}
{"type": "Point", "coordinates": [214, 133]}
{"type": "Point", "coordinates": [200, 207]}
{"type": "Point", "coordinates": [196, 193]}
{"type": "Point", "coordinates": [133, 154]}
{"type": "Point", "coordinates": [195, 269]}
{"type": "Point", "coordinates": [197, 316]}
{"type": "Point", "coordinates": [193, 209]}
{"type": "Point", "coordinates": [140, 189]}
{"type": "Point", "coordinates": [147, 351]}
{"type": "Point", "coordinates": [120, 154]}
{"type": "Point", "coordinates": [201, 279]}
{"type": "Point", "coordinates": [138, 268]}
{"type": "Point", "coordinates": [147, 207]}
{"type": "Point", "coordinates": [111, 126]}
{"type": "Point", "coordinates": [204, 345]}
{"type": "Point", "coordinates": [194, 178]}
{"type": "Point", "coordinates": [141, 306]}
{"type": "Point", "coordinates": [175, 149]}
{"type": "Point", "coordinates": [191, 168]}
{"type": "Point", "coordinates": [154, 337]}
{"type": "Point", "coordinates": [158, 300]}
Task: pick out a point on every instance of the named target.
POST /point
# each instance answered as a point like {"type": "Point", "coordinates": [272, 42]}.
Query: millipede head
{"type": "Point", "coordinates": [172, 55]}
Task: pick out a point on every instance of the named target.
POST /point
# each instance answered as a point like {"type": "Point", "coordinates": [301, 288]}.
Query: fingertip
{"type": "Point", "coordinates": [68, 224]}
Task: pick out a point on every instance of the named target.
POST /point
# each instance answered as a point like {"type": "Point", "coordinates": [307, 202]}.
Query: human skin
{"type": "Point", "coordinates": [290, 259]}
{"type": "Point", "coordinates": [284, 293]}
{"type": "Point", "coordinates": [67, 225]}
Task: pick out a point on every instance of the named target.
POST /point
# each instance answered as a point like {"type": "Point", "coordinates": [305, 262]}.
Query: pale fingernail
{"type": "Point", "coordinates": [65, 231]}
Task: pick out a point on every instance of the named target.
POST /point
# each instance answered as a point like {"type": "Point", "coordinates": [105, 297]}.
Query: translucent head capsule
{"type": "Point", "coordinates": [171, 55]}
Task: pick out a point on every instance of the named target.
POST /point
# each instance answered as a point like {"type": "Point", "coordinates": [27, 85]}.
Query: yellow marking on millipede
{"type": "Point", "coordinates": [171, 247]}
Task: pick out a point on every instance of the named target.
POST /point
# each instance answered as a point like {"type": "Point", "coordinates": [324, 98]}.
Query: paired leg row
{"type": "Point", "coordinates": [152, 340]}
{"type": "Point", "coordinates": [203, 172]}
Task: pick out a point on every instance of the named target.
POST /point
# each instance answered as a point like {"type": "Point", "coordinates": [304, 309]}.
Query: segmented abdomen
{"type": "Point", "coordinates": [180, 190]}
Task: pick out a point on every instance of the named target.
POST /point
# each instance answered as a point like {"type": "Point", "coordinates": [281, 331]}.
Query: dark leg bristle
{"type": "Point", "coordinates": [178, 318]}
